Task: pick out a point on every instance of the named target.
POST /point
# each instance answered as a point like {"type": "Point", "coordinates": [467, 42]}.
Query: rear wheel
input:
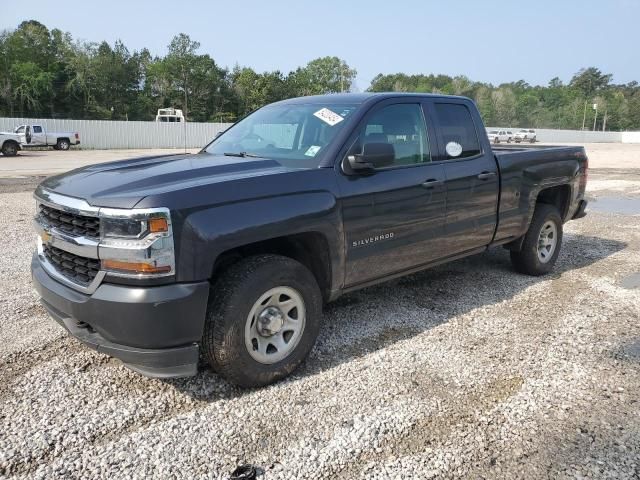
{"type": "Point", "coordinates": [10, 149]}
{"type": "Point", "coordinates": [63, 144]}
{"type": "Point", "coordinates": [542, 242]}
{"type": "Point", "coordinates": [496, 140]}
{"type": "Point", "coordinates": [533, 140]}
{"type": "Point", "coordinates": [262, 321]}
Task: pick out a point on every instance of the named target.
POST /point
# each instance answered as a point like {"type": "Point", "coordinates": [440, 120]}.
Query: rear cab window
{"type": "Point", "coordinates": [458, 132]}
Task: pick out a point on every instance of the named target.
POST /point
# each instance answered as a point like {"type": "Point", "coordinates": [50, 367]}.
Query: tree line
{"type": "Point", "coordinates": [46, 73]}
{"type": "Point", "coordinates": [518, 104]}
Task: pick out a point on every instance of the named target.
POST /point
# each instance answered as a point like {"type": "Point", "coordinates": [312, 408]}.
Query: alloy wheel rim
{"type": "Point", "coordinates": [275, 325]}
{"type": "Point", "coordinates": [547, 241]}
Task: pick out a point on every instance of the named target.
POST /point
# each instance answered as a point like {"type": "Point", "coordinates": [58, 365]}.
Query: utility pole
{"type": "Point", "coordinates": [604, 121]}
{"type": "Point", "coordinates": [584, 115]}
{"type": "Point", "coordinates": [595, 107]}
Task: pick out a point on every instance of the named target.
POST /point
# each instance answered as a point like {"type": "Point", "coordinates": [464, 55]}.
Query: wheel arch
{"type": "Point", "coordinates": [309, 248]}
{"type": "Point", "coordinates": [559, 196]}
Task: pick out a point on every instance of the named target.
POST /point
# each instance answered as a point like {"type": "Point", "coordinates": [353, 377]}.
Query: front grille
{"type": "Point", "coordinates": [71, 223]}
{"type": "Point", "coordinates": [78, 269]}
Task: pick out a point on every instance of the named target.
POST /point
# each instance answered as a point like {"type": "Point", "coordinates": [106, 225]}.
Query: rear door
{"type": "Point", "coordinates": [38, 137]}
{"type": "Point", "coordinates": [394, 217]}
{"type": "Point", "coordinates": [471, 176]}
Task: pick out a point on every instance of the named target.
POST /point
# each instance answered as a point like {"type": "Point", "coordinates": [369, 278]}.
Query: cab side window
{"type": "Point", "coordinates": [458, 131]}
{"type": "Point", "coordinates": [403, 126]}
{"type": "Point", "coordinates": [37, 129]}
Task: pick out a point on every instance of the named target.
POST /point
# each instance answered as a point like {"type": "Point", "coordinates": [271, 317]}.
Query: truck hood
{"type": "Point", "coordinates": [122, 184]}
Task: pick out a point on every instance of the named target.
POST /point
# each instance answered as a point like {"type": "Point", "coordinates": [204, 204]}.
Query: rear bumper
{"type": "Point", "coordinates": [152, 330]}
{"type": "Point", "coordinates": [580, 212]}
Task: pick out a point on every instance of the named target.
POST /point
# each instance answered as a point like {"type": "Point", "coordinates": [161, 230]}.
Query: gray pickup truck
{"type": "Point", "coordinates": [231, 253]}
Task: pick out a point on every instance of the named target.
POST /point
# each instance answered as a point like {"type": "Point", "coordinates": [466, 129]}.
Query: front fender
{"type": "Point", "coordinates": [208, 233]}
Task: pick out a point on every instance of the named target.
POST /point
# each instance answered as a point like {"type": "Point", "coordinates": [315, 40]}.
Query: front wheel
{"type": "Point", "coordinates": [262, 321]}
{"type": "Point", "coordinates": [542, 242]}
{"type": "Point", "coordinates": [10, 149]}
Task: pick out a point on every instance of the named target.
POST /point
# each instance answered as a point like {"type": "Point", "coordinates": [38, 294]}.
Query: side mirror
{"type": "Point", "coordinates": [374, 155]}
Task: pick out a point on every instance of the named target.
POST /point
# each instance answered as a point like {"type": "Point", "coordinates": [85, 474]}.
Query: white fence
{"type": "Point", "coordinates": [630, 137]}
{"type": "Point", "coordinates": [105, 134]}
{"type": "Point", "coordinates": [578, 136]}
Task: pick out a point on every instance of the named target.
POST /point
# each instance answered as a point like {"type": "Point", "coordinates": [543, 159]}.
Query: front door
{"type": "Point", "coordinates": [472, 179]}
{"type": "Point", "coordinates": [393, 218]}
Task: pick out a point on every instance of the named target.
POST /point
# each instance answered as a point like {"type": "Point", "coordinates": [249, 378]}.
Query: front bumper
{"type": "Point", "coordinates": [152, 330]}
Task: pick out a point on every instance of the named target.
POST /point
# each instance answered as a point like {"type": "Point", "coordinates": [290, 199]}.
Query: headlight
{"type": "Point", "coordinates": [136, 243]}
{"type": "Point", "coordinates": [122, 227]}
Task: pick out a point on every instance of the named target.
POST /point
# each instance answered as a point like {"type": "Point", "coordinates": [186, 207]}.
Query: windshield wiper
{"type": "Point", "coordinates": [242, 154]}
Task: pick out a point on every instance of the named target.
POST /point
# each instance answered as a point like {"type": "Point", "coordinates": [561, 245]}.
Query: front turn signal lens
{"type": "Point", "coordinates": [133, 267]}
{"type": "Point", "coordinates": [158, 225]}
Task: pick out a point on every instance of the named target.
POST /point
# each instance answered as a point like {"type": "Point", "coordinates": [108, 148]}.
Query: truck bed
{"type": "Point", "coordinates": [508, 157]}
{"type": "Point", "coordinates": [524, 171]}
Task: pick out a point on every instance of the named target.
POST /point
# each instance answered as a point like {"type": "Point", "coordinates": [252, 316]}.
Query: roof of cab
{"type": "Point", "coordinates": [356, 98]}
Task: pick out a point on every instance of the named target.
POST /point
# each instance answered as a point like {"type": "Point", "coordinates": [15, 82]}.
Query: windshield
{"type": "Point", "coordinates": [294, 135]}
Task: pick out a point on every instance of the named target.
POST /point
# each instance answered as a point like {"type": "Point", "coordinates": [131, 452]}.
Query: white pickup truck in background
{"type": "Point", "coordinates": [35, 135]}
{"type": "Point", "coordinates": [497, 136]}
{"type": "Point", "coordinates": [9, 144]}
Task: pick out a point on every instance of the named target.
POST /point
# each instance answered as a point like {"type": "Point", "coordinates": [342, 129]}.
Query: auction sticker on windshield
{"type": "Point", "coordinates": [313, 149]}
{"type": "Point", "coordinates": [328, 116]}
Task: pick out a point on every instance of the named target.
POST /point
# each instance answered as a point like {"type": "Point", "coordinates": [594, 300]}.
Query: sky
{"type": "Point", "coordinates": [489, 41]}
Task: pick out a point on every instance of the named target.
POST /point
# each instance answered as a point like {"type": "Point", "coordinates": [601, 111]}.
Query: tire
{"type": "Point", "coordinates": [509, 140]}
{"type": "Point", "coordinates": [531, 259]}
{"type": "Point", "coordinates": [497, 140]}
{"type": "Point", "coordinates": [533, 140]}
{"type": "Point", "coordinates": [236, 310]}
{"type": "Point", "coordinates": [63, 144]}
{"type": "Point", "coordinates": [9, 149]}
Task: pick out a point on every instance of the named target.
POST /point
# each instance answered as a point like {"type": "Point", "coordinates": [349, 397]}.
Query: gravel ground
{"type": "Point", "coordinates": [468, 370]}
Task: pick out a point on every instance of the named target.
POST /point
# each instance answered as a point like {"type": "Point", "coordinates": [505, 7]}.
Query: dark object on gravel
{"type": "Point", "coordinates": [244, 472]}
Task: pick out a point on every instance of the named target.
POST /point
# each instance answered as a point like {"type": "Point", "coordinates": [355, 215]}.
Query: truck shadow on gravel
{"type": "Point", "coordinates": [377, 317]}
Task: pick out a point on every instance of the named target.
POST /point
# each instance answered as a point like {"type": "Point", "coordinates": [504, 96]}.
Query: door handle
{"type": "Point", "coordinates": [486, 175]}
{"type": "Point", "coordinates": [432, 182]}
